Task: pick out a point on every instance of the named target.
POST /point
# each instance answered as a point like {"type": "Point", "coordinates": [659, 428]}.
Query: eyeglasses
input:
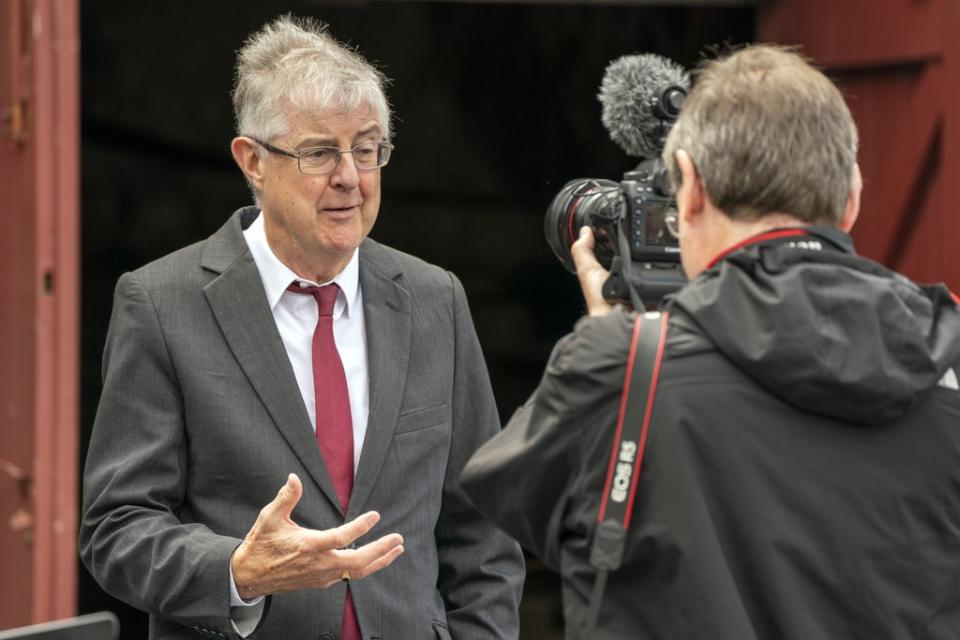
{"type": "Point", "coordinates": [319, 160]}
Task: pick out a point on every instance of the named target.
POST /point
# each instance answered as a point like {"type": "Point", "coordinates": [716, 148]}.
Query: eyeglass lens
{"type": "Point", "coordinates": [369, 155]}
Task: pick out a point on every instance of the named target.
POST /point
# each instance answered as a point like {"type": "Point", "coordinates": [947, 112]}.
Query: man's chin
{"type": "Point", "coordinates": [342, 245]}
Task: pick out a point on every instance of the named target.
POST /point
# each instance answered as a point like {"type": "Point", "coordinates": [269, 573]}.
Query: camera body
{"type": "Point", "coordinates": [634, 224]}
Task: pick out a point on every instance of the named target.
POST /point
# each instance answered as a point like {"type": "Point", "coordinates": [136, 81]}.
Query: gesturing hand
{"type": "Point", "coordinates": [278, 555]}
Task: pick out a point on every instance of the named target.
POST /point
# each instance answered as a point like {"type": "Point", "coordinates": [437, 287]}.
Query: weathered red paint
{"type": "Point", "coordinates": [39, 308]}
{"type": "Point", "coordinates": [898, 62]}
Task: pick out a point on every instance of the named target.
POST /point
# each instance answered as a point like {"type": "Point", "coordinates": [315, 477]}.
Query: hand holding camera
{"type": "Point", "coordinates": [591, 273]}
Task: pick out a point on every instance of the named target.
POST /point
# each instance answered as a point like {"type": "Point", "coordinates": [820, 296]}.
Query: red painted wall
{"type": "Point", "coordinates": [898, 61]}
{"type": "Point", "coordinates": [39, 309]}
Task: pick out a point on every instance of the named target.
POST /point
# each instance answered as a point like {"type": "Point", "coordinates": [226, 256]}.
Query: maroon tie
{"type": "Point", "coordinates": [334, 426]}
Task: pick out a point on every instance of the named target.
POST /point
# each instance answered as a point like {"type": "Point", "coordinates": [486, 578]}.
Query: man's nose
{"type": "Point", "coordinates": [346, 175]}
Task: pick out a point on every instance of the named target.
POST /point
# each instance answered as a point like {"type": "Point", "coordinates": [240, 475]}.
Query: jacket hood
{"type": "Point", "coordinates": [824, 329]}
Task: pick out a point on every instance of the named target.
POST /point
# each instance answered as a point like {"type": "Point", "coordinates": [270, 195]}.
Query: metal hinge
{"type": "Point", "coordinates": [13, 124]}
{"type": "Point", "coordinates": [20, 520]}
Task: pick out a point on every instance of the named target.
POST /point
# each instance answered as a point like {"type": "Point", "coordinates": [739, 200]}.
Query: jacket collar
{"type": "Point", "coordinates": [835, 238]}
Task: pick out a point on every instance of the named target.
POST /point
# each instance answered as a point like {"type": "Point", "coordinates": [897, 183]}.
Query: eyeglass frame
{"type": "Point", "coordinates": [298, 155]}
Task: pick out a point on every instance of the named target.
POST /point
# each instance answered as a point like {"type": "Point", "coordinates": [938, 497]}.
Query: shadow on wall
{"type": "Point", "coordinates": [495, 110]}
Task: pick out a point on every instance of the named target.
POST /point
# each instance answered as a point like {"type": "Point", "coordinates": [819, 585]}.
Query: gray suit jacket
{"type": "Point", "coordinates": [201, 420]}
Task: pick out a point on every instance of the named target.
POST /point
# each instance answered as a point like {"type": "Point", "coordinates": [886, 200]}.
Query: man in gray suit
{"type": "Point", "coordinates": [288, 350]}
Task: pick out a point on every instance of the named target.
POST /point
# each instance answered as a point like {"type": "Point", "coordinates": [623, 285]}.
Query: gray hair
{"type": "Point", "coordinates": [767, 133]}
{"type": "Point", "coordinates": [294, 61]}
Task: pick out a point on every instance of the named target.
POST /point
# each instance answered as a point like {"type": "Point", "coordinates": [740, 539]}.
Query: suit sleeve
{"type": "Point", "coordinates": [131, 538]}
{"type": "Point", "coordinates": [481, 569]}
{"type": "Point", "coordinates": [555, 448]}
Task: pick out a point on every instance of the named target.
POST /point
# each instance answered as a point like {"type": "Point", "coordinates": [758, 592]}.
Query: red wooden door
{"type": "Point", "coordinates": [38, 309]}
{"type": "Point", "coordinates": [899, 63]}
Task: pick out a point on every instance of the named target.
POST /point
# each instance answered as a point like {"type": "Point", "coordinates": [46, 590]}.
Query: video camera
{"type": "Point", "coordinates": [634, 221]}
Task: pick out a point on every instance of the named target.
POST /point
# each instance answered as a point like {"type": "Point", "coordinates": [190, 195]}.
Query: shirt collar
{"type": "Point", "coordinates": [276, 276]}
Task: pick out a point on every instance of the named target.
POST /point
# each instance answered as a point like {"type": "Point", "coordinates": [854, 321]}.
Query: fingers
{"type": "Point", "coordinates": [337, 556]}
{"type": "Point", "coordinates": [380, 560]}
{"type": "Point", "coordinates": [582, 249]}
{"type": "Point", "coordinates": [371, 557]}
{"type": "Point", "coordinates": [344, 535]}
{"type": "Point", "coordinates": [584, 257]}
{"type": "Point", "coordinates": [287, 498]}
{"type": "Point", "coordinates": [590, 272]}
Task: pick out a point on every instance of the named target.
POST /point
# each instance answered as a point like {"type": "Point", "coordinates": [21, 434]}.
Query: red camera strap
{"type": "Point", "coordinates": [626, 457]}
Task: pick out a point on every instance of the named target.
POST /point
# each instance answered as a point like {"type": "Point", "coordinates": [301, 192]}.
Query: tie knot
{"type": "Point", "coordinates": [325, 296]}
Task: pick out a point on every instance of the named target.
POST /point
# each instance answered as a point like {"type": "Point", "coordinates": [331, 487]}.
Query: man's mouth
{"type": "Point", "coordinates": [341, 211]}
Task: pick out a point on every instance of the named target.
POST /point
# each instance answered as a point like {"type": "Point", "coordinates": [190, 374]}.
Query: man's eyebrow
{"type": "Point", "coordinates": [370, 128]}
{"type": "Point", "coordinates": [322, 140]}
{"type": "Point", "coordinates": [317, 141]}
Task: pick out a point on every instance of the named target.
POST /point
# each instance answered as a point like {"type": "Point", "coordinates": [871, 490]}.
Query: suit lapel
{"type": "Point", "coordinates": [240, 306]}
{"type": "Point", "coordinates": [386, 309]}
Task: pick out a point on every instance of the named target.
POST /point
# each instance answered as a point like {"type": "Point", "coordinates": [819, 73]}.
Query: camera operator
{"type": "Point", "coordinates": [800, 478]}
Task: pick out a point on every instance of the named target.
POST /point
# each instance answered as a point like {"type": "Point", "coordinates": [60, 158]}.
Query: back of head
{"type": "Point", "coordinates": [768, 133]}
{"type": "Point", "coordinates": [293, 63]}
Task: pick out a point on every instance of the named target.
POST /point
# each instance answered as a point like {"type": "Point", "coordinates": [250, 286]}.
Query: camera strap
{"type": "Point", "coordinates": [626, 263]}
{"type": "Point", "coordinates": [626, 457]}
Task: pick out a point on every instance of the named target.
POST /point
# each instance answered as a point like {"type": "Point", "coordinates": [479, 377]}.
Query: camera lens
{"type": "Point", "coordinates": [594, 202]}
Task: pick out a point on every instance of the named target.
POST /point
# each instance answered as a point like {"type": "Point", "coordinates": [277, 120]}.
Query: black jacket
{"type": "Point", "coordinates": [802, 473]}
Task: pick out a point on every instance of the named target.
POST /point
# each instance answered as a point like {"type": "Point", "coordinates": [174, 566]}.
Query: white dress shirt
{"type": "Point", "coordinates": [296, 317]}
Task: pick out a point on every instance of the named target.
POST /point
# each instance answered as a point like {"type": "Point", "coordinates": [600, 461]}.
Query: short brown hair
{"type": "Point", "coordinates": [768, 133]}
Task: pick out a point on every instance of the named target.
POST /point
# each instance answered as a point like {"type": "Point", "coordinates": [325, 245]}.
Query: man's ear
{"type": "Point", "coordinates": [852, 210]}
{"type": "Point", "coordinates": [691, 198]}
{"type": "Point", "coordinates": [245, 154]}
